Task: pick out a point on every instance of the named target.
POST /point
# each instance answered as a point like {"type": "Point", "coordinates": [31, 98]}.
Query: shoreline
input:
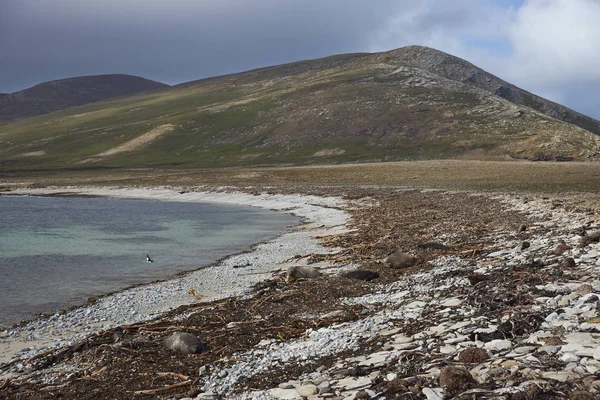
{"type": "Point", "coordinates": [143, 302]}
{"type": "Point", "coordinates": [497, 313]}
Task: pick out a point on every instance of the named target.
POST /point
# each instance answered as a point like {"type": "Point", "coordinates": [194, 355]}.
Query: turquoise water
{"type": "Point", "coordinates": [56, 252]}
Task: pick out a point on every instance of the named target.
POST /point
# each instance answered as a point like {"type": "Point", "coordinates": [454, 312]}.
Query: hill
{"type": "Point", "coordinates": [407, 104]}
{"type": "Point", "coordinates": [57, 95]}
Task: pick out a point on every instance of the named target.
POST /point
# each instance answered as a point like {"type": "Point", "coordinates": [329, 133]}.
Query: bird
{"type": "Point", "coordinates": [148, 259]}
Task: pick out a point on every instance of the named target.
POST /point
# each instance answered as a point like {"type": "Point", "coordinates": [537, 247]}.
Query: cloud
{"type": "Point", "coordinates": [544, 46]}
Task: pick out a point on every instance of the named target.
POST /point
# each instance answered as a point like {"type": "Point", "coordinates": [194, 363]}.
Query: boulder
{"type": "Point", "coordinates": [301, 272]}
{"type": "Point", "coordinates": [185, 343]}
{"type": "Point", "coordinates": [399, 259]}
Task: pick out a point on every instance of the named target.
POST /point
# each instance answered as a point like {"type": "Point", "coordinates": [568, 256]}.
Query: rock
{"type": "Point", "coordinates": [432, 246]}
{"type": "Point", "coordinates": [525, 245]}
{"type": "Point", "coordinates": [498, 345]}
{"type": "Point", "coordinates": [324, 387]}
{"type": "Point", "coordinates": [586, 288]}
{"type": "Point", "coordinates": [301, 272]}
{"type": "Point", "coordinates": [452, 302]}
{"type": "Point", "coordinates": [207, 396]}
{"type": "Point", "coordinates": [185, 343]}
{"type": "Point", "coordinates": [361, 395]}
{"type": "Point", "coordinates": [353, 383]}
{"type": "Point", "coordinates": [560, 249]}
{"type": "Point", "coordinates": [284, 394]}
{"type": "Point", "coordinates": [399, 259]}
{"type": "Point", "coordinates": [362, 275]}
{"type": "Point", "coordinates": [306, 390]}
{"type": "Point", "coordinates": [561, 376]}
{"type": "Point", "coordinates": [593, 237]}
{"type": "Point", "coordinates": [522, 228]}
{"type": "Point", "coordinates": [474, 278]}
{"type": "Point", "coordinates": [473, 355]}
{"type": "Point", "coordinates": [433, 393]}
{"type": "Point", "coordinates": [569, 263]}
{"type": "Point", "coordinates": [454, 379]}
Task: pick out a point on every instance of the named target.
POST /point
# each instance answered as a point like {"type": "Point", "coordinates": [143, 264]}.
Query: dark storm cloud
{"type": "Point", "coordinates": [545, 46]}
{"type": "Point", "coordinates": [174, 41]}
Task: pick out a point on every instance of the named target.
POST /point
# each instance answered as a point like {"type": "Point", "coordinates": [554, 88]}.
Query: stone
{"type": "Point", "coordinates": [284, 394]}
{"type": "Point", "coordinates": [561, 376]}
{"type": "Point", "coordinates": [306, 390]}
{"type": "Point", "coordinates": [525, 245]}
{"type": "Point", "coordinates": [301, 272]}
{"type": "Point", "coordinates": [207, 396]}
{"type": "Point", "coordinates": [433, 393]}
{"type": "Point", "coordinates": [498, 345]}
{"type": "Point", "coordinates": [452, 302]}
{"type": "Point", "coordinates": [473, 355]}
{"type": "Point", "coordinates": [185, 343]}
{"type": "Point", "coordinates": [593, 237]}
{"type": "Point", "coordinates": [569, 357]}
{"type": "Point", "coordinates": [569, 263]}
{"type": "Point", "coordinates": [560, 249]}
{"type": "Point", "coordinates": [362, 275]}
{"type": "Point", "coordinates": [586, 288]}
{"type": "Point", "coordinates": [353, 383]}
{"type": "Point", "coordinates": [454, 379]}
{"type": "Point", "coordinates": [362, 395]}
{"type": "Point", "coordinates": [522, 228]}
{"type": "Point", "coordinates": [399, 259]}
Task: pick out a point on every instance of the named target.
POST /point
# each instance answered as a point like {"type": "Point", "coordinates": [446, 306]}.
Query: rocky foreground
{"type": "Point", "coordinates": [501, 301]}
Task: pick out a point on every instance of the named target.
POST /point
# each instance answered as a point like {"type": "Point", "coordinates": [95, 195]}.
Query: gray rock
{"type": "Point", "coordinates": [185, 343]}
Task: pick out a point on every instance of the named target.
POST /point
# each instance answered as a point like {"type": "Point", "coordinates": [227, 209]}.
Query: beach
{"type": "Point", "coordinates": [321, 216]}
{"type": "Point", "coordinates": [500, 302]}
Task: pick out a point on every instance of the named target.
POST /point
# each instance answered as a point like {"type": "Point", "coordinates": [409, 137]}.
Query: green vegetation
{"type": "Point", "coordinates": [349, 108]}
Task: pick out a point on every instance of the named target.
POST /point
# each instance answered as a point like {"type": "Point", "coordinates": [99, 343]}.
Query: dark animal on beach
{"type": "Point", "coordinates": [301, 272]}
{"type": "Point", "coordinates": [148, 259]}
{"type": "Point", "coordinates": [361, 274]}
{"type": "Point", "coordinates": [185, 343]}
{"type": "Point", "coordinates": [432, 246]}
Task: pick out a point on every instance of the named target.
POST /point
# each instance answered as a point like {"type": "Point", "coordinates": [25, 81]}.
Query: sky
{"type": "Point", "coordinates": [549, 47]}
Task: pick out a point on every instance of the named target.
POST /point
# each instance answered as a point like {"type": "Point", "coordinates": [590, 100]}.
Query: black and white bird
{"type": "Point", "coordinates": [148, 259]}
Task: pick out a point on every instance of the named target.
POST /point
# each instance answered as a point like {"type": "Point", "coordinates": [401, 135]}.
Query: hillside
{"type": "Point", "coordinates": [407, 104]}
{"type": "Point", "coordinates": [57, 95]}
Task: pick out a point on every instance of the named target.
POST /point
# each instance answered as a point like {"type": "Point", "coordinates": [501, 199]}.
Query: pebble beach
{"type": "Point", "coordinates": [506, 310]}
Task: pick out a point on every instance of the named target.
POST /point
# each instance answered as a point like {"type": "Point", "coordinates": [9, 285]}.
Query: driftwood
{"type": "Point", "coordinates": [164, 388]}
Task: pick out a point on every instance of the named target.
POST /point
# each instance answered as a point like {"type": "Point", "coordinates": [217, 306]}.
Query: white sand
{"type": "Point", "coordinates": [321, 216]}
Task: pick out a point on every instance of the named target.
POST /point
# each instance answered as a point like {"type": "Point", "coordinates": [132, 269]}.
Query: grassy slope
{"type": "Point", "coordinates": [359, 107]}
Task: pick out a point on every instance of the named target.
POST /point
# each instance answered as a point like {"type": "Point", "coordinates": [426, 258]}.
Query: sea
{"type": "Point", "coordinates": [56, 252]}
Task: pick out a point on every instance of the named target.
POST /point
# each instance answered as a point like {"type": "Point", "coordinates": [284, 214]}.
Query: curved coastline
{"type": "Point", "coordinates": [319, 216]}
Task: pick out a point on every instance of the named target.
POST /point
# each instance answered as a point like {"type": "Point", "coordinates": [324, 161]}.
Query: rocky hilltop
{"type": "Point", "coordinates": [459, 70]}
{"type": "Point", "coordinates": [412, 103]}
{"type": "Point", "coordinates": [57, 95]}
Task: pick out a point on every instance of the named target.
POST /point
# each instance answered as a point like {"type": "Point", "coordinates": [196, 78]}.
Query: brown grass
{"type": "Point", "coordinates": [545, 177]}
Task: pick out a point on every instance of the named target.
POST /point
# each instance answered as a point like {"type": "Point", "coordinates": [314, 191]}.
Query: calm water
{"type": "Point", "coordinates": [57, 252]}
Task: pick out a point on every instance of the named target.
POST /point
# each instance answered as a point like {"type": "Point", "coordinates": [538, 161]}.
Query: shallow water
{"type": "Point", "coordinates": [56, 252]}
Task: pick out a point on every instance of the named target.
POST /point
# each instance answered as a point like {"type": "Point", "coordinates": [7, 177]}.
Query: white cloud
{"type": "Point", "coordinates": [556, 41]}
{"type": "Point", "coordinates": [549, 47]}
